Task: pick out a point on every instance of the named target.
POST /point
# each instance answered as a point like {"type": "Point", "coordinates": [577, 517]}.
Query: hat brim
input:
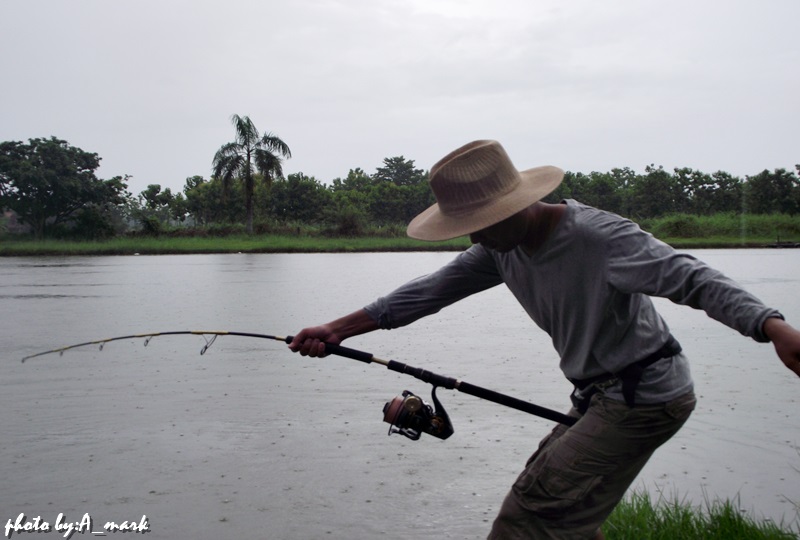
{"type": "Point", "coordinates": [432, 225]}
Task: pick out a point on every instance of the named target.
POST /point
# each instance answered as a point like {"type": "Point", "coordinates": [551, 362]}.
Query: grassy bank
{"type": "Point", "coordinates": [229, 244]}
{"type": "Point", "coordinates": [680, 231]}
{"type": "Point", "coordinates": [291, 244]}
{"type": "Point", "coordinates": [638, 518]}
{"type": "Point", "coordinates": [725, 228]}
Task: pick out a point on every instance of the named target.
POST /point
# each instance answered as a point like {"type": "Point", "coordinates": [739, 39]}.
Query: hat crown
{"type": "Point", "coordinates": [472, 176]}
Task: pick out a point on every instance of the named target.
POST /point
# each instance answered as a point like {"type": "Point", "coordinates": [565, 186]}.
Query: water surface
{"type": "Point", "coordinates": [249, 440]}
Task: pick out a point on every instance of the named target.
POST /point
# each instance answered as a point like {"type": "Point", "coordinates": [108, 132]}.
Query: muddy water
{"type": "Point", "coordinates": [251, 441]}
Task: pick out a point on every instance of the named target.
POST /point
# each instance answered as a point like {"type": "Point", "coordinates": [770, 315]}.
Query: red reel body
{"type": "Point", "coordinates": [410, 416]}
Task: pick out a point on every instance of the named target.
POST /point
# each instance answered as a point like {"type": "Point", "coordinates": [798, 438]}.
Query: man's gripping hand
{"type": "Point", "coordinates": [311, 341]}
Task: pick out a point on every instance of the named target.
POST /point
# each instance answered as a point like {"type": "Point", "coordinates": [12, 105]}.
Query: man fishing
{"type": "Point", "coordinates": [585, 277]}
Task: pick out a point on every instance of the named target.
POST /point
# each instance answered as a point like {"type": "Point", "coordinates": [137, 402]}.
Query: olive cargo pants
{"type": "Point", "coordinates": [578, 474]}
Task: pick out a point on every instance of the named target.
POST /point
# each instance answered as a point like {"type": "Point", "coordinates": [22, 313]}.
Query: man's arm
{"type": "Point", "coordinates": [311, 341]}
{"type": "Point", "coordinates": [470, 272]}
{"type": "Point", "coordinates": [786, 340]}
{"type": "Point", "coordinates": [640, 263]}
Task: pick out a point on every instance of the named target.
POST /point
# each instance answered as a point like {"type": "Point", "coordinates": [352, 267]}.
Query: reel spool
{"type": "Point", "coordinates": [410, 416]}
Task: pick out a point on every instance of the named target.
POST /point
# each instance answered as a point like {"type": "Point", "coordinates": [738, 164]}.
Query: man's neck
{"type": "Point", "coordinates": [542, 220]}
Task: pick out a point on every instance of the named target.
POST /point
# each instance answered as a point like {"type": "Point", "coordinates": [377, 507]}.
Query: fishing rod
{"type": "Point", "coordinates": [407, 414]}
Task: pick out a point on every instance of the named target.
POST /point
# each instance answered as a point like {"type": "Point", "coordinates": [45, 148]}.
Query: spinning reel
{"type": "Point", "coordinates": [409, 415]}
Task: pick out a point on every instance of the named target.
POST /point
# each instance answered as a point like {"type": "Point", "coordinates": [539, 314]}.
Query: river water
{"type": "Point", "coordinates": [249, 440]}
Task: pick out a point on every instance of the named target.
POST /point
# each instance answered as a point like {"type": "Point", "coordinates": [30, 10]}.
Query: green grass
{"type": "Point", "coordinates": [230, 244]}
{"type": "Point", "coordinates": [709, 242]}
{"type": "Point", "coordinates": [679, 230]}
{"type": "Point", "coordinates": [294, 244]}
{"type": "Point", "coordinates": [638, 518]}
{"type": "Point", "coordinates": [742, 229]}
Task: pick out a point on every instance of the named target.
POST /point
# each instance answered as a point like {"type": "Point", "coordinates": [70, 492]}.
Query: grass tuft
{"type": "Point", "coordinates": [638, 518]}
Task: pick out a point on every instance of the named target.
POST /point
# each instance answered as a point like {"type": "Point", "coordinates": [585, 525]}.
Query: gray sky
{"type": "Point", "coordinates": [150, 85]}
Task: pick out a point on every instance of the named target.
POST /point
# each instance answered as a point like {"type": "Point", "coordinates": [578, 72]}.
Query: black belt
{"type": "Point", "coordinates": [630, 375]}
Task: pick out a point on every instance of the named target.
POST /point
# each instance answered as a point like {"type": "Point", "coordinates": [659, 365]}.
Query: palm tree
{"type": "Point", "coordinates": [236, 159]}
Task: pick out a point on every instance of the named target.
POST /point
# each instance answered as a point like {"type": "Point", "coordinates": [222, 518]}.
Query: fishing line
{"type": "Point", "coordinates": [408, 415]}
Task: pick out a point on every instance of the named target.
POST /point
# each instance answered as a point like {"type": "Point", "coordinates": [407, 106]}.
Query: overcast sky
{"type": "Point", "coordinates": [150, 85]}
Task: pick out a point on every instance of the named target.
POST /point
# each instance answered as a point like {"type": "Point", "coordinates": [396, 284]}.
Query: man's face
{"type": "Point", "coordinates": [503, 236]}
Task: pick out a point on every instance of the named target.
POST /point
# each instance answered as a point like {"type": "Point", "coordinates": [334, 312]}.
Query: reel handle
{"type": "Point", "coordinates": [338, 350]}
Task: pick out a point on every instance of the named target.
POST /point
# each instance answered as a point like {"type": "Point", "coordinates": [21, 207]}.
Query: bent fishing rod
{"type": "Point", "coordinates": [407, 414]}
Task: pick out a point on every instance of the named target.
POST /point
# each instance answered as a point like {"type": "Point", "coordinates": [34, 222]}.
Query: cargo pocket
{"type": "Point", "coordinates": [682, 407]}
{"type": "Point", "coordinates": [554, 484]}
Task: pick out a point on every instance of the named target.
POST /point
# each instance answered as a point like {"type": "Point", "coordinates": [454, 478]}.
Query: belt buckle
{"type": "Point", "coordinates": [602, 386]}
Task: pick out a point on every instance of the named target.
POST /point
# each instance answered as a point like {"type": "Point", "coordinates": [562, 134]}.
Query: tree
{"type": "Point", "coordinates": [727, 195]}
{"type": "Point", "coordinates": [48, 183]}
{"type": "Point", "coordinates": [299, 198]}
{"type": "Point", "coordinates": [250, 151]}
{"type": "Point", "coordinates": [710, 194]}
{"type": "Point", "coordinates": [772, 192]}
{"type": "Point", "coordinates": [206, 202]}
{"type": "Point", "coordinates": [399, 192]}
{"type": "Point", "coordinates": [653, 194]}
{"type": "Point", "coordinates": [356, 180]}
{"type": "Point", "coordinates": [195, 192]}
{"type": "Point", "coordinates": [573, 186]}
{"type": "Point", "coordinates": [347, 213]}
{"type": "Point", "coordinates": [157, 207]}
{"type": "Point", "coordinates": [400, 172]}
{"type": "Point", "coordinates": [387, 203]}
{"type": "Point", "coordinates": [603, 190]}
{"type": "Point", "coordinates": [353, 191]}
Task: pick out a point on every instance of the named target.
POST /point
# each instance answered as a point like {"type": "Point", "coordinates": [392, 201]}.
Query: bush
{"type": "Point", "coordinates": [731, 225]}
{"type": "Point", "coordinates": [225, 229]}
{"type": "Point", "coordinates": [393, 230]}
{"type": "Point", "coordinates": [679, 226]}
{"type": "Point", "coordinates": [91, 224]}
{"type": "Point", "coordinates": [151, 226]}
{"type": "Point", "coordinates": [347, 221]}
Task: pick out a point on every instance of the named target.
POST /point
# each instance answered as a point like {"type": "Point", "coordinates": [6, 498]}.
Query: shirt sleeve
{"type": "Point", "coordinates": [640, 263]}
{"type": "Point", "coordinates": [472, 271]}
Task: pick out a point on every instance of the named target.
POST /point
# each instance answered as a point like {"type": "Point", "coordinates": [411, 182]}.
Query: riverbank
{"type": "Point", "coordinates": [682, 231]}
{"type": "Point", "coordinates": [226, 244]}
{"type": "Point", "coordinates": [300, 244]}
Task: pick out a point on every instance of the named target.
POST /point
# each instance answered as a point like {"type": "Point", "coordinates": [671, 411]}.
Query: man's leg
{"type": "Point", "coordinates": [579, 473]}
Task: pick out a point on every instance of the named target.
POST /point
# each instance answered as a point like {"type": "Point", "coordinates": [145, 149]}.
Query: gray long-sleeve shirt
{"type": "Point", "coordinates": [588, 287]}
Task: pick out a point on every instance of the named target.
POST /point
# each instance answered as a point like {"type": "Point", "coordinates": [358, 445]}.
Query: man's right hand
{"type": "Point", "coordinates": [311, 341]}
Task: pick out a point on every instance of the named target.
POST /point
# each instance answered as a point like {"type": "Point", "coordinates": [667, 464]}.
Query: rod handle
{"type": "Point", "coordinates": [514, 403]}
{"type": "Point", "coordinates": [338, 350]}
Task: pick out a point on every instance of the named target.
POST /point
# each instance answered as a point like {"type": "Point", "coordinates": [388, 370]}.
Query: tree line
{"type": "Point", "coordinates": [355, 205]}
{"type": "Point", "coordinates": [658, 192]}
{"type": "Point", "coordinates": [51, 187]}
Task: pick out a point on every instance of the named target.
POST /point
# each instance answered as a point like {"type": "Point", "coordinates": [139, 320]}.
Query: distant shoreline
{"type": "Point", "coordinates": [302, 244]}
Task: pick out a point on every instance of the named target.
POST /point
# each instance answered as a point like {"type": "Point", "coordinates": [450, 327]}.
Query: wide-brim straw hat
{"type": "Point", "coordinates": [477, 186]}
